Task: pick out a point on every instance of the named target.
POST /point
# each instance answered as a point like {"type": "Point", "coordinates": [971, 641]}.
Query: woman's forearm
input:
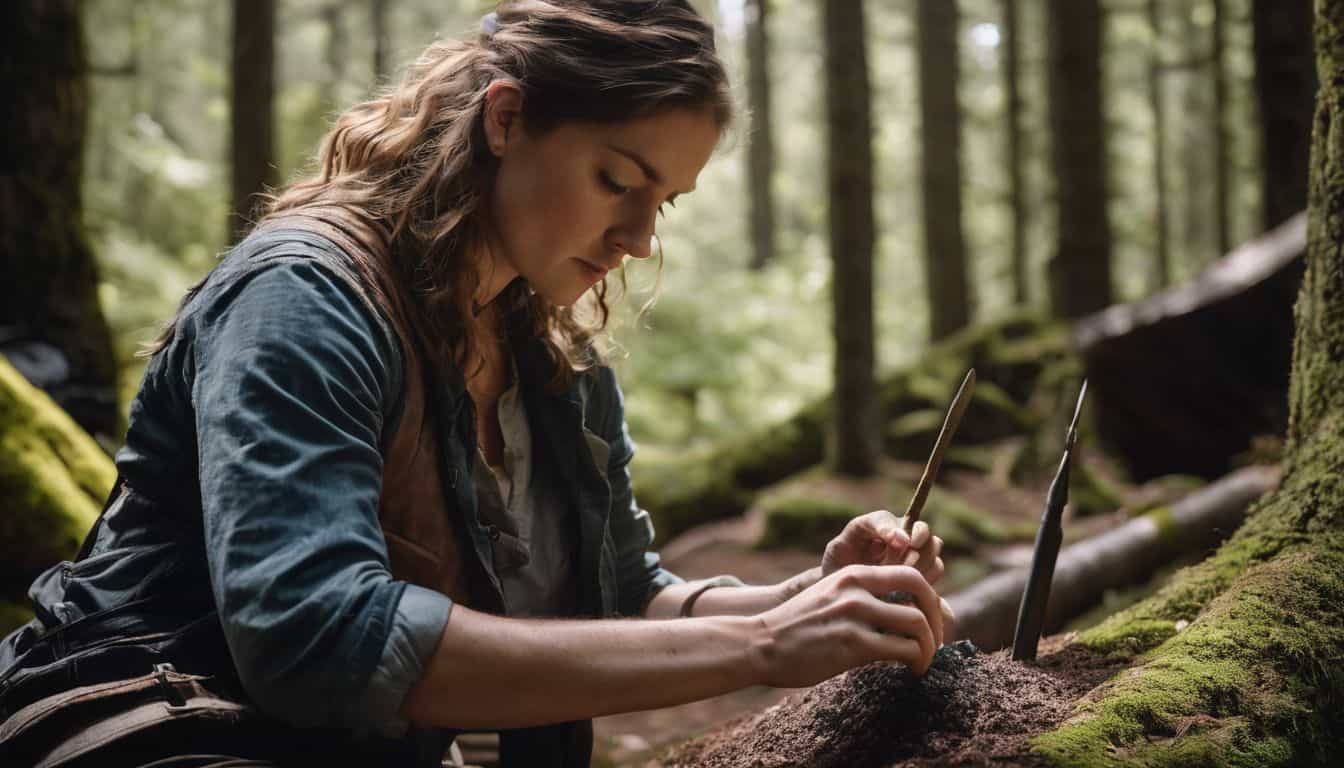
{"type": "Point", "coordinates": [728, 601]}
{"type": "Point", "coordinates": [493, 672]}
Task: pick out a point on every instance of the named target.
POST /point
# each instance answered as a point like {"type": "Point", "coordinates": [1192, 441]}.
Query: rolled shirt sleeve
{"type": "Point", "coordinates": [293, 374]}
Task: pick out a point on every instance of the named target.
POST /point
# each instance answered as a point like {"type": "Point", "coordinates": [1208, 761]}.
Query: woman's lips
{"type": "Point", "coordinates": [593, 270]}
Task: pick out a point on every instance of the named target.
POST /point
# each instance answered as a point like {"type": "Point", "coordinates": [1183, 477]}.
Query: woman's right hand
{"type": "Point", "coordinates": [841, 622]}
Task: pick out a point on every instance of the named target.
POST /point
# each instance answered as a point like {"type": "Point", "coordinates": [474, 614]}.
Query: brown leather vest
{"type": "Point", "coordinates": [425, 539]}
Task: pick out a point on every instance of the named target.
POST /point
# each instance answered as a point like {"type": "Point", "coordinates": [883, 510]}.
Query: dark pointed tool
{"type": "Point", "coordinates": [1031, 614]}
{"type": "Point", "coordinates": [950, 423]}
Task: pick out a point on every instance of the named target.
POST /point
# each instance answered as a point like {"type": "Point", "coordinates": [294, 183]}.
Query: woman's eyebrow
{"type": "Point", "coordinates": [649, 171]}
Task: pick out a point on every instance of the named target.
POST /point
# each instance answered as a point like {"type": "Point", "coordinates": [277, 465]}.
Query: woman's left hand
{"type": "Point", "coordinates": [879, 538]}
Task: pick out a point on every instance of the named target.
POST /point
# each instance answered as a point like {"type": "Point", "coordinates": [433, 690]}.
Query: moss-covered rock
{"type": "Point", "coordinates": [53, 481]}
{"type": "Point", "coordinates": [805, 523]}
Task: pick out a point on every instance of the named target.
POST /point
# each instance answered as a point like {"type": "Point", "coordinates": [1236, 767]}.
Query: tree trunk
{"type": "Point", "coordinates": [1162, 236]}
{"type": "Point", "coordinates": [946, 281]}
{"type": "Point", "coordinates": [1080, 271]}
{"type": "Point", "coordinates": [337, 45]}
{"type": "Point", "coordinates": [1195, 166]}
{"type": "Point", "coordinates": [251, 120]}
{"type": "Point", "coordinates": [1012, 71]}
{"type": "Point", "coordinates": [378, 28]}
{"type": "Point", "coordinates": [51, 324]}
{"type": "Point", "coordinates": [1221, 182]}
{"type": "Point", "coordinates": [761, 150]}
{"type": "Point", "coordinates": [850, 163]}
{"type": "Point", "coordinates": [1285, 82]}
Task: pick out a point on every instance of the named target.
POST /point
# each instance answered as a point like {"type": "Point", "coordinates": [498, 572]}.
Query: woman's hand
{"type": "Point", "coordinates": [879, 538]}
{"type": "Point", "coordinates": [841, 622]}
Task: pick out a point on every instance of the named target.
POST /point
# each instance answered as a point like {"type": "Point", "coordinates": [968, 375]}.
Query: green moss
{"type": "Point", "coordinates": [1131, 637]}
{"type": "Point", "coordinates": [53, 477]}
{"type": "Point", "coordinates": [1166, 525]}
{"type": "Point", "coordinates": [805, 523]}
{"type": "Point", "coordinates": [1255, 676]}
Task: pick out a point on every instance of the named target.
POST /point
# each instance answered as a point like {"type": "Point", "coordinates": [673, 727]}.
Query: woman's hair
{"type": "Point", "coordinates": [413, 166]}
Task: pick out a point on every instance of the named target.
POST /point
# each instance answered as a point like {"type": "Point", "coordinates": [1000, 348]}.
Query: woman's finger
{"type": "Point", "coordinates": [882, 524]}
{"type": "Point", "coordinates": [882, 580]}
{"type": "Point", "coordinates": [919, 535]}
{"type": "Point", "coordinates": [900, 620]}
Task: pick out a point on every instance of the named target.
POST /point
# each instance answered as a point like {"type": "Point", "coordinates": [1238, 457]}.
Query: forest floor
{"type": "Point", "coordinates": [636, 739]}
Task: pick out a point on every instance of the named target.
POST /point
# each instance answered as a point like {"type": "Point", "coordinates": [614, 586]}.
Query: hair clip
{"type": "Point", "coordinates": [489, 23]}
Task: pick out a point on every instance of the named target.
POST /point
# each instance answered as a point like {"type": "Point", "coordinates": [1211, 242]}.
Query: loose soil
{"type": "Point", "coordinates": [727, 546]}
{"type": "Point", "coordinates": [971, 709]}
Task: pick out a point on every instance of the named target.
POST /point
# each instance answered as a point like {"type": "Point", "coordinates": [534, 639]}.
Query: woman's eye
{"type": "Point", "coordinates": [611, 184]}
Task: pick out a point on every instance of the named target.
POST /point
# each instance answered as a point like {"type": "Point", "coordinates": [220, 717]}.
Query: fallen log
{"type": "Point", "coordinates": [1183, 380]}
{"type": "Point", "coordinates": [987, 611]}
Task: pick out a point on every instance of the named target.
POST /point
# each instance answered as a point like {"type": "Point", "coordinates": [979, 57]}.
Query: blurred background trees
{"type": "Point", "coordinates": [50, 323]}
{"type": "Point", "coordinates": [1059, 155]}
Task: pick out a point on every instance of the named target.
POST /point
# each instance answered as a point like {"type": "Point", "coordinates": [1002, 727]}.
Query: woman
{"type": "Point", "coordinates": [377, 443]}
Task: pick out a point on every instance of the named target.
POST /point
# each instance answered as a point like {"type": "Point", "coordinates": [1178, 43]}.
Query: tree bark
{"type": "Point", "coordinates": [947, 286]}
{"type": "Point", "coordinates": [252, 105]}
{"type": "Point", "coordinates": [849, 154]}
{"type": "Point", "coordinates": [1162, 235]}
{"type": "Point", "coordinates": [51, 323]}
{"type": "Point", "coordinates": [1080, 271]}
{"type": "Point", "coordinates": [1285, 83]}
{"type": "Point", "coordinates": [1221, 168]}
{"type": "Point", "coordinates": [761, 150]}
{"type": "Point", "coordinates": [1012, 73]}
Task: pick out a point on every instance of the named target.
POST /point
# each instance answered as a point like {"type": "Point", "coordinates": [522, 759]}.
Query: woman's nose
{"type": "Point", "coordinates": [635, 237]}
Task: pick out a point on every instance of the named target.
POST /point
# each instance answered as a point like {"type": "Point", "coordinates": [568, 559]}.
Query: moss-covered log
{"type": "Point", "coordinates": [1242, 657]}
{"type": "Point", "coordinates": [1119, 557]}
{"type": "Point", "coordinates": [53, 480]}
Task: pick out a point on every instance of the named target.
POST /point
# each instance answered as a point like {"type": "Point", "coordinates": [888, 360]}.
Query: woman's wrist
{"type": "Point", "coordinates": [793, 585]}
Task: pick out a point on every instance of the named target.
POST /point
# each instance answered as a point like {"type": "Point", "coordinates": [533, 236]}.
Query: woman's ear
{"type": "Point", "coordinates": [503, 113]}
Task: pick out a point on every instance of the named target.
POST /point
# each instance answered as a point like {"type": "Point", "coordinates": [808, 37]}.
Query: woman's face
{"type": "Point", "coordinates": [568, 204]}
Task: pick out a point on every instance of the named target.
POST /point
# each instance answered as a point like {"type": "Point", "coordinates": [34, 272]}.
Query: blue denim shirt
{"type": "Point", "coordinates": [266, 415]}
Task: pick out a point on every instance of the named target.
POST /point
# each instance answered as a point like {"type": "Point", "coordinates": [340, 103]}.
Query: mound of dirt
{"type": "Point", "coordinates": [972, 708]}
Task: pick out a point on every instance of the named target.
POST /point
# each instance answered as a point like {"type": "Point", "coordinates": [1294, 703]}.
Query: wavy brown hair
{"type": "Point", "coordinates": [410, 170]}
